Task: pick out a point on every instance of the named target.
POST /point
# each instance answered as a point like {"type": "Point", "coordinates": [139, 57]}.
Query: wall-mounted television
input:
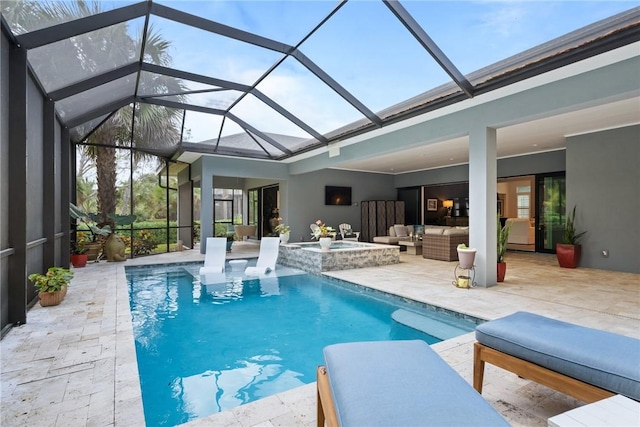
{"type": "Point", "coordinates": [340, 196]}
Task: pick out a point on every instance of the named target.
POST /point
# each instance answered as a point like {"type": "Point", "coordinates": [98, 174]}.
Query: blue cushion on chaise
{"type": "Point", "coordinates": [401, 383]}
{"type": "Point", "coordinates": [603, 359]}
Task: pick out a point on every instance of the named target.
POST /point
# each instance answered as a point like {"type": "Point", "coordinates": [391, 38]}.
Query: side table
{"type": "Point", "coordinates": [616, 410]}
{"type": "Point", "coordinates": [413, 247]}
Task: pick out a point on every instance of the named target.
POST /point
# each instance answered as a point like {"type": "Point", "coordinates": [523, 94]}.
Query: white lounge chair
{"type": "Point", "coordinates": [269, 247]}
{"type": "Point", "coordinates": [215, 255]}
{"type": "Point", "coordinates": [347, 232]}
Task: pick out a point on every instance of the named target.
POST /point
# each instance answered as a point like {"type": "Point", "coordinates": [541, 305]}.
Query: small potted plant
{"type": "Point", "coordinates": [503, 236]}
{"type": "Point", "coordinates": [231, 237]}
{"type": "Point", "coordinates": [284, 231]}
{"type": "Point", "coordinates": [568, 252]}
{"type": "Point", "coordinates": [466, 256]}
{"type": "Point", "coordinates": [52, 286]}
{"type": "Point", "coordinates": [78, 253]}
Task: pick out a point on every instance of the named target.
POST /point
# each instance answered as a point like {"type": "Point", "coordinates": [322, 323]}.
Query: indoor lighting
{"type": "Point", "coordinates": [448, 204]}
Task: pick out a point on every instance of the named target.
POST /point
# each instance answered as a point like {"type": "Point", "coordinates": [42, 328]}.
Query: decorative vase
{"type": "Point", "coordinates": [568, 255]}
{"type": "Point", "coordinates": [284, 238]}
{"type": "Point", "coordinates": [466, 257]}
{"type": "Point", "coordinates": [502, 271]}
{"type": "Point", "coordinates": [325, 243]}
{"type": "Point", "coordinates": [48, 299]}
{"type": "Point", "coordinates": [114, 248]}
{"type": "Point", "coordinates": [79, 260]}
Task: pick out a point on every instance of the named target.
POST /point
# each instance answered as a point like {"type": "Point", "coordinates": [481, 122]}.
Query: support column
{"type": "Point", "coordinates": [67, 183]}
{"type": "Point", "coordinates": [49, 184]}
{"type": "Point", "coordinates": [18, 185]}
{"type": "Point", "coordinates": [482, 202]}
{"type": "Point", "coordinates": [206, 209]}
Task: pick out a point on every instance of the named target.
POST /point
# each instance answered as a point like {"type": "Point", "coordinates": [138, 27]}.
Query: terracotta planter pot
{"type": "Point", "coordinates": [79, 260]}
{"type": "Point", "coordinates": [93, 250]}
{"type": "Point", "coordinates": [568, 255]}
{"type": "Point", "coordinates": [502, 271]}
{"type": "Point", "coordinates": [48, 299]}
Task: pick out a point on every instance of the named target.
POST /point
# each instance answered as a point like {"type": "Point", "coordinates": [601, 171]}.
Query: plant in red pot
{"type": "Point", "coordinates": [568, 252]}
{"type": "Point", "coordinates": [503, 236]}
{"type": "Point", "coordinates": [78, 253]}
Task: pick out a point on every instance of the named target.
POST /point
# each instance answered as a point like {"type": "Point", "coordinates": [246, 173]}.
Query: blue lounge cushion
{"type": "Point", "coordinates": [604, 359]}
{"type": "Point", "coordinates": [401, 383]}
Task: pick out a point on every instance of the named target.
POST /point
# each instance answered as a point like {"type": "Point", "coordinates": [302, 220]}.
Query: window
{"type": "Point", "coordinates": [524, 201]}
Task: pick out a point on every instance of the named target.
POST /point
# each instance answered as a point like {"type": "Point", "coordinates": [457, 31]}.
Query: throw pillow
{"type": "Point", "coordinates": [401, 230]}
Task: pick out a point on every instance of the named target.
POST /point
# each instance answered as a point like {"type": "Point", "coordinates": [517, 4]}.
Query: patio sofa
{"type": "Point", "coordinates": [245, 231]}
{"type": "Point", "coordinates": [587, 364]}
{"type": "Point", "coordinates": [393, 238]}
{"type": "Point", "coordinates": [441, 243]}
{"type": "Point", "coordinates": [522, 232]}
{"type": "Point", "coordinates": [396, 383]}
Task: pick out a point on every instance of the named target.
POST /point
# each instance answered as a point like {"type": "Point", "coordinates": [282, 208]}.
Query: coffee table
{"type": "Point", "coordinates": [414, 247]}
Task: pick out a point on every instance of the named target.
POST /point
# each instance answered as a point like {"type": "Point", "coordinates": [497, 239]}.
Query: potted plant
{"type": "Point", "coordinates": [52, 286]}
{"type": "Point", "coordinates": [231, 237]}
{"type": "Point", "coordinates": [568, 252]}
{"type": "Point", "coordinates": [323, 234]}
{"type": "Point", "coordinates": [78, 253]}
{"type": "Point", "coordinates": [284, 231]}
{"type": "Point", "coordinates": [466, 256]}
{"type": "Point", "coordinates": [503, 236]}
{"type": "Point", "coordinates": [112, 245]}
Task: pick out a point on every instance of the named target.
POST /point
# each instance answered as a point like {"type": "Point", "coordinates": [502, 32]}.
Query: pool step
{"type": "Point", "coordinates": [428, 325]}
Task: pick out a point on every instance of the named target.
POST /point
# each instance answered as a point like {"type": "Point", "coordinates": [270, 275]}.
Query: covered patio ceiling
{"type": "Point", "coordinates": [271, 80]}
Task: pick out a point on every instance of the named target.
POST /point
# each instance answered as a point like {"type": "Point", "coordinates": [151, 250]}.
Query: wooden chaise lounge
{"type": "Point", "coordinates": [396, 383]}
{"type": "Point", "coordinates": [585, 363]}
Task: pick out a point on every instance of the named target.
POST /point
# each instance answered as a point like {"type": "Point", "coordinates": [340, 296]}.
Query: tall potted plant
{"type": "Point", "coordinates": [568, 252]}
{"type": "Point", "coordinates": [503, 236]}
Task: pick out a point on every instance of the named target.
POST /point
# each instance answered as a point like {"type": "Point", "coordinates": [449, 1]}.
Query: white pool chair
{"type": "Point", "coordinates": [215, 255]}
{"type": "Point", "coordinates": [347, 232]}
{"type": "Point", "coordinates": [269, 247]}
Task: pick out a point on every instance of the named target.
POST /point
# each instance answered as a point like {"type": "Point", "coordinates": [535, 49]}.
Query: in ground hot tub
{"type": "Point", "coordinates": [343, 255]}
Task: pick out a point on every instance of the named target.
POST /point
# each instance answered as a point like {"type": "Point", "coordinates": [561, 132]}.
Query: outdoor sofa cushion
{"type": "Point", "coordinates": [401, 383]}
{"type": "Point", "coordinates": [603, 359]}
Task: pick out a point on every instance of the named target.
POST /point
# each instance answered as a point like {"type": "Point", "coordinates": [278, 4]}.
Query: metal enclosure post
{"type": "Point", "coordinates": [18, 184]}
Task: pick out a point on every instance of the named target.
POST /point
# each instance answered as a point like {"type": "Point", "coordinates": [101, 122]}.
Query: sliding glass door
{"type": "Point", "coordinates": [550, 211]}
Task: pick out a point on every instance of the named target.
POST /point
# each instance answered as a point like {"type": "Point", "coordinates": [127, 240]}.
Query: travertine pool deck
{"type": "Point", "coordinates": [74, 364]}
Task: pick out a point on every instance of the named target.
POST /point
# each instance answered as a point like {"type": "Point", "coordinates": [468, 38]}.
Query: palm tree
{"type": "Point", "coordinates": [156, 129]}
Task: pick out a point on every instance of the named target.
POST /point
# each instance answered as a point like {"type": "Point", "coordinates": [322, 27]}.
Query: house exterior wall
{"type": "Point", "coordinates": [603, 178]}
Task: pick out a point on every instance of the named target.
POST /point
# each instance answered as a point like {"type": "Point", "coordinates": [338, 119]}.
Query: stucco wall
{"type": "Point", "coordinates": [603, 178]}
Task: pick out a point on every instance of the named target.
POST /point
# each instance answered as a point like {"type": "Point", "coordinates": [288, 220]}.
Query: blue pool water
{"type": "Point", "coordinates": [203, 349]}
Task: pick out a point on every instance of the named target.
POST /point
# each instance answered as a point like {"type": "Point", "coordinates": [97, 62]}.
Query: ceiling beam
{"type": "Point", "coordinates": [66, 30]}
{"type": "Point", "coordinates": [329, 81]}
{"type": "Point", "coordinates": [423, 38]}
{"type": "Point", "coordinates": [247, 126]}
{"type": "Point", "coordinates": [208, 149]}
{"type": "Point", "coordinates": [93, 82]}
{"type": "Point", "coordinates": [217, 28]}
{"type": "Point", "coordinates": [158, 69]}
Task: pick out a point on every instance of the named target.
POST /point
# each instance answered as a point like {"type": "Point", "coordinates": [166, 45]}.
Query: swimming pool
{"type": "Point", "coordinates": [202, 349]}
